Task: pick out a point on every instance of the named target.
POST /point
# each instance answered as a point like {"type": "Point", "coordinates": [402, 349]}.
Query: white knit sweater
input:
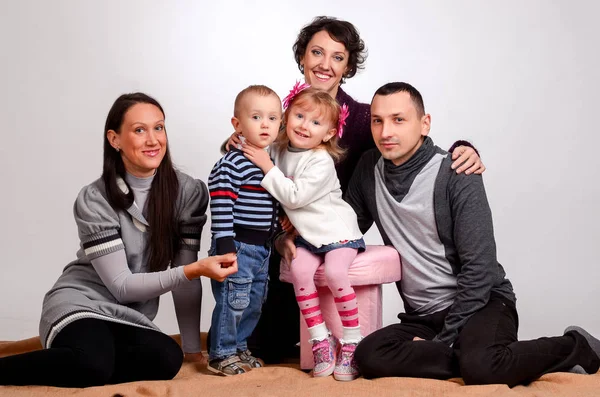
{"type": "Point", "coordinates": [306, 185]}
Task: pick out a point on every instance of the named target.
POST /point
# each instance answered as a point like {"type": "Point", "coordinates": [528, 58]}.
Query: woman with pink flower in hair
{"type": "Point", "coordinates": [305, 183]}
{"type": "Point", "coordinates": [328, 51]}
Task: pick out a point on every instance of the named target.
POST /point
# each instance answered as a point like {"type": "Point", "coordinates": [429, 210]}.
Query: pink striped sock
{"type": "Point", "coordinates": [310, 309]}
{"type": "Point", "coordinates": [347, 309]}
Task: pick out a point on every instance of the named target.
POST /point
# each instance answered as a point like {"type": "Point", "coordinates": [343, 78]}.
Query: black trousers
{"type": "Point", "coordinates": [91, 352]}
{"type": "Point", "coordinates": [486, 351]}
{"type": "Point", "coordinates": [278, 331]}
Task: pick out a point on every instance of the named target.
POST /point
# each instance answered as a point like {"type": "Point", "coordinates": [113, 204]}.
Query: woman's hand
{"type": "Point", "coordinates": [217, 267]}
{"type": "Point", "coordinates": [467, 160]}
{"type": "Point", "coordinates": [258, 156]}
{"type": "Point", "coordinates": [284, 244]}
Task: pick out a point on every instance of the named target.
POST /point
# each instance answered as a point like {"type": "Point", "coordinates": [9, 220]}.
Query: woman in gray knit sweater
{"type": "Point", "coordinates": [139, 227]}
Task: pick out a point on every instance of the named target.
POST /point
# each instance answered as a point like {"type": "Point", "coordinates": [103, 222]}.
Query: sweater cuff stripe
{"type": "Point", "coordinates": [192, 244]}
{"type": "Point", "coordinates": [101, 249]}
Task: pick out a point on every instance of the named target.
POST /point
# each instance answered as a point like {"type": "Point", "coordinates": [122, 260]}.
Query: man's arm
{"type": "Point", "coordinates": [354, 194]}
{"type": "Point", "coordinates": [473, 237]}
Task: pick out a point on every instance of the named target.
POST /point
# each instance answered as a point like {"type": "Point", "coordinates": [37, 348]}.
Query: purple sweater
{"type": "Point", "coordinates": [357, 138]}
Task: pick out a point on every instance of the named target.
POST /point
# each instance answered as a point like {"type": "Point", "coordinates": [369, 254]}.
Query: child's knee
{"type": "Point", "coordinates": [336, 277]}
{"type": "Point", "coordinates": [302, 279]}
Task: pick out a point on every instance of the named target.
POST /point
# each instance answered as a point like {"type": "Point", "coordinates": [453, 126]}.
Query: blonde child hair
{"type": "Point", "coordinates": [261, 90]}
{"type": "Point", "coordinates": [309, 99]}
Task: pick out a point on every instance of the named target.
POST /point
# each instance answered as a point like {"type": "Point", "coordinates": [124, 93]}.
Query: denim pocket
{"type": "Point", "coordinates": [239, 246]}
{"type": "Point", "coordinates": [239, 292]}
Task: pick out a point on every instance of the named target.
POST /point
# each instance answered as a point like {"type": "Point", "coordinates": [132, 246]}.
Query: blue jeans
{"type": "Point", "coordinates": [239, 299]}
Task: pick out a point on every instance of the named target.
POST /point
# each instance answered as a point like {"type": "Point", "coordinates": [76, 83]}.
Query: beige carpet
{"type": "Point", "coordinates": [194, 380]}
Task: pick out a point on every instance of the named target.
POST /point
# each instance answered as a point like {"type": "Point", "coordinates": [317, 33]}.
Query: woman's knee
{"type": "Point", "coordinates": [91, 349]}
{"type": "Point", "coordinates": [93, 369]}
{"type": "Point", "coordinates": [169, 362]}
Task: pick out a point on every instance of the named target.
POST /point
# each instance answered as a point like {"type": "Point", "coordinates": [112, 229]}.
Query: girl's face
{"type": "Point", "coordinates": [325, 62]}
{"type": "Point", "coordinates": [142, 139]}
{"type": "Point", "coordinates": [307, 128]}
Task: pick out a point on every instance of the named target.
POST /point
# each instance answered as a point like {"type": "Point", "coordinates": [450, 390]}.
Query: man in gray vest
{"type": "Point", "coordinates": [460, 315]}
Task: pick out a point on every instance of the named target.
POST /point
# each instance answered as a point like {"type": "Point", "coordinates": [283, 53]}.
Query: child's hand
{"type": "Point", "coordinates": [286, 225]}
{"type": "Point", "coordinates": [258, 156]}
{"type": "Point", "coordinates": [233, 141]}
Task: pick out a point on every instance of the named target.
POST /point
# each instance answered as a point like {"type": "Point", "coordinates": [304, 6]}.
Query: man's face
{"type": "Point", "coordinates": [397, 129]}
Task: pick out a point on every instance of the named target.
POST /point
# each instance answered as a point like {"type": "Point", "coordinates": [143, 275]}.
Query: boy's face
{"type": "Point", "coordinates": [397, 129]}
{"type": "Point", "coordinates": [259, 119]}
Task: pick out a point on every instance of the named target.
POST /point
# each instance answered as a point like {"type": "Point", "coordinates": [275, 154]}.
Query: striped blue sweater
{"type": "Point", "coordinates": [240, 207]}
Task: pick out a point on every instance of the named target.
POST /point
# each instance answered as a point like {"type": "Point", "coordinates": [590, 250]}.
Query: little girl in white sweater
{"type": "Point", "coordinates": [306, 185]}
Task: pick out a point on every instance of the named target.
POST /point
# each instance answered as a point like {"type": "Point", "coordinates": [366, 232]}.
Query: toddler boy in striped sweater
{"type": "Point", "coordinates": [243, 216]}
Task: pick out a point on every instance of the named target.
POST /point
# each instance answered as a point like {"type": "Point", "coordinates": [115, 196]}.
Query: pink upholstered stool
{"type": "Point", "coordinates": [375, 266]}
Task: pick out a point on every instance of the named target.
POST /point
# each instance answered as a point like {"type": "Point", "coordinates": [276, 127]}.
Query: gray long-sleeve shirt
{"type": "Point", "coordinates": [441, 224]}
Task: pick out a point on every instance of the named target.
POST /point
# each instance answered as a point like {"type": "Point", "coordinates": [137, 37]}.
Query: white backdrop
{"type": "Point", "coordinates": [518, 78]}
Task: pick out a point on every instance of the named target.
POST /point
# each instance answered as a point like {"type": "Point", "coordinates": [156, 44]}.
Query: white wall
{"type": "Point", "coordinates": [519, 78]}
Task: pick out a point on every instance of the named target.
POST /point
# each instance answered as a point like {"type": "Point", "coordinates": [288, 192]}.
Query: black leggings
{"type": "Point", "coordinates": [91, 352]}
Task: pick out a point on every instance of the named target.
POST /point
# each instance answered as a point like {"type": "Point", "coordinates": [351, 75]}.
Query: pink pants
{"type": "Point", "coordinates": [337, 263]}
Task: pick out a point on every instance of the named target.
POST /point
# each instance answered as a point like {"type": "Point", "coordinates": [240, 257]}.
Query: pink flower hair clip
{"type": "Point", "coordinates": [344, 113]}
{"type": "Point", "coordinates": [298, 88]}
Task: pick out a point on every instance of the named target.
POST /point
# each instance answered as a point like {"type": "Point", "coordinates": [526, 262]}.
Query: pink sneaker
{"type": "Point", "coordinates": [345, 366]}
{"type": "Point", "coordinates": [324, 353]}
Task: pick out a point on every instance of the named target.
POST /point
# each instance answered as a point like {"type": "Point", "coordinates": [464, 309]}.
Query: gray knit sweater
{"type": "Point", "coordinates": [441, 224]}
{"type": "Point", "coordinates": [80, 292]}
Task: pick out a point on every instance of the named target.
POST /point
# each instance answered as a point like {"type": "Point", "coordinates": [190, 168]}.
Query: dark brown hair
{"type": "Point", "coordinates": [342, 32]}
{"type": "Point", "coordinates": [165, 239]}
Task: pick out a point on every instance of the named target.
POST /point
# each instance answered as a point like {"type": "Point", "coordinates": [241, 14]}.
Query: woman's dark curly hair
{"type": "Point", "coordinates": [342, 32]}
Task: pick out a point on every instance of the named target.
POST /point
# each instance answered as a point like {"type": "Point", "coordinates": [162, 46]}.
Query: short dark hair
{"type": "Point", "coordinates": [393, 88]}
{"type": "Point", "coordinates": [341, 31]}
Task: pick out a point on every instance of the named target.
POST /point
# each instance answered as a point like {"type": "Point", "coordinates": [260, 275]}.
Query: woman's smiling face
{"type": "Point", "coordinates": [141, 139]}
{"type": "Point", "coordinates": [325, 62]}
